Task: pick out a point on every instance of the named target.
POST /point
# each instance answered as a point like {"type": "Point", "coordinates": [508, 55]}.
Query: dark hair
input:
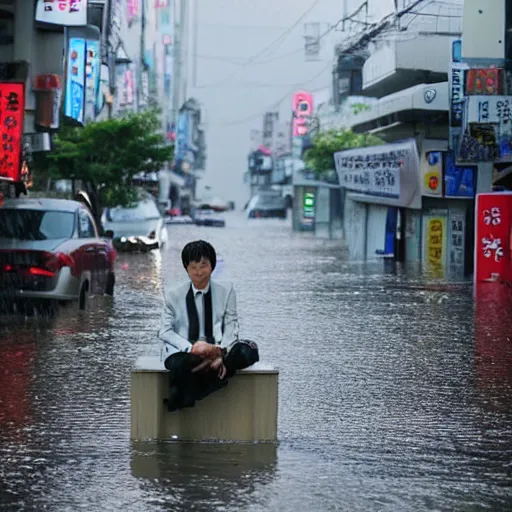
{"type": "Point", "coordinates": [194, 251]}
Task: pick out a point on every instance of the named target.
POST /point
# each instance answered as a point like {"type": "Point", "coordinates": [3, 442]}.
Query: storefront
{"type": "Point", "coordinates": [380, 184]}
{"type": "Point", "coordinates": [409, 205]}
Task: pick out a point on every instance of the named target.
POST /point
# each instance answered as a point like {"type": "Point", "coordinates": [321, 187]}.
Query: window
{"type": "Point", "coordinates": [85, 225]}
{"type": "Point", "coordinates": [21, 224]}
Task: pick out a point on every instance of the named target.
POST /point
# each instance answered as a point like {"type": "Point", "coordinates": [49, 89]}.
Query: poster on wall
{"type": "Point", "coordinates": [488, 81]}
{"type": "Point", "coordinates": [457, 240]}
{"type": "Point", "coordinates": [75, 80]}
{"type": "Point", "coordinates": [493, 241]}
{"type": "Point", "coordinates": [70, 13]}
{"type": "Point", "coordinates": [459, 180]}
{"type": "Point", "coordinates": [12, 108]}
{"type": "Point", "coordinates": [432, 174]}
{"type": "Point", "coordinates": [435, 243]}
{"type": "Point", "coordinates": [92, 79]}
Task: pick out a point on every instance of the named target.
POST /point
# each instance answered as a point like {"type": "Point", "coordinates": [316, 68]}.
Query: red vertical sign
{"type": "Point", "coordinates": [302, 109]}
{"type": "Point", "coordinates": [493, 237]}
{"type": "Point", "coordinates": [12, 108]}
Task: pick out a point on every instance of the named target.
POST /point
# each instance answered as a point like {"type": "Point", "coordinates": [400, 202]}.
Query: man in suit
{"type": "Point", "coordinates": [199, 331]}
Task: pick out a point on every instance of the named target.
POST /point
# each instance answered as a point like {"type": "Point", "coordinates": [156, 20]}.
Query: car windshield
{"type": "Point", "coordinates": [143, 210]}
{"type": "Point", "coordinates": [270, 201]}
{"type": "Point", "coordinates": [22, 224]}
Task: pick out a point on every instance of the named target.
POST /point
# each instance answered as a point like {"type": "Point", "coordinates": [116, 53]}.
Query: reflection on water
{"type": "Point", "coordinates": [223, 474]}
{"type": "Point", "coordinates": [395, 390]}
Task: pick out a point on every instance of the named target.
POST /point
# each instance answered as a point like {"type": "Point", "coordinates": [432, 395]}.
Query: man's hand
{"type": "Point", "coordinates": [218, 365]}
{"type": "Point", "coordinates": [205, 350]}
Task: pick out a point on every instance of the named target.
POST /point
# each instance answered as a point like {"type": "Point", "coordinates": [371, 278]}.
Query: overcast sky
{"type": "Point", "coordinates": [238, 80]}
{"type": "Point", "coordinates": [234, 95]}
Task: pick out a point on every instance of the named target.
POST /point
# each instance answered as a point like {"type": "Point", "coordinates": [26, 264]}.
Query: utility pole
{"type": "Point", "coordinates": [195, 23]}
{"type": "Point", "coordinates": [184, 47]}
{"type": "Point", "coordinates": [179, 39]}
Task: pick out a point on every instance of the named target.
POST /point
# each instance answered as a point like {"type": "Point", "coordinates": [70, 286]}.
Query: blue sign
{"type": "Point", "coordinates": [75, 80]}
{"type": "Point", "coordinates": [459, 181]}
{"type": "Point", "coordinates": [182, 137]}
{"type": "Point", "coordinates": [457, 50]}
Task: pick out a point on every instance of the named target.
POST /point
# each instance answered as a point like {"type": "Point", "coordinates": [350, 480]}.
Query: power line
{"type": "Point", "coordinates": [266, 48]}
{"type": "Point", "coordinates": [277, 103]}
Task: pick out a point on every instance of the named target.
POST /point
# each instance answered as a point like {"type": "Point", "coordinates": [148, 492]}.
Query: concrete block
{"type": "Point", "coordinates": [244, 411]}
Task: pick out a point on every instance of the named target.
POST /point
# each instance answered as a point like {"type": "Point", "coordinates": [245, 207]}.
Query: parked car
{"type": "Point", "coordinates": [266, 204]}
{"type": "Point", "coordinates": [136, 227]}
{"type": "Point", "coordinates": [208, 217]}
{"type": "Point", "coordinates": [51, 251]}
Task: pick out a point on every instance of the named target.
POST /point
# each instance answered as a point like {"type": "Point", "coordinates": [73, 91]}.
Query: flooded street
{"type": "Point", "coordinates": [395, 393]}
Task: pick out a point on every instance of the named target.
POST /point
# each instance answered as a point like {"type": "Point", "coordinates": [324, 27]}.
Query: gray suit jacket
{"type": "Point", "coordinates": [174, 326]}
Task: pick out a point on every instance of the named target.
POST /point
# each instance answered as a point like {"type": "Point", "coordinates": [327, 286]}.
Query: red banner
{"type": "Point", "coordinates": [493, 250]}
{"type": "Point", "coordinates": [12, 108]}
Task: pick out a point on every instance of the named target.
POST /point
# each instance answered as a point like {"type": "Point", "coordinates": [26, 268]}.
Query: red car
{"type": "Point", "coordinates": [51, 252]}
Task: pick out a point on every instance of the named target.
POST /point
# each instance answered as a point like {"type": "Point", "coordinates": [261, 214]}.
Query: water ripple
{"type": "Point", "coordinates": [395, 391]}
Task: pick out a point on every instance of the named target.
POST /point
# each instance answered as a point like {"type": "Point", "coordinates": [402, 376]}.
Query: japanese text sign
{"type": "Point", "coordinates": [12, 107]}
{"type": "Point", "coordinates": [493, 237]}
{"type": "Point", "coordinates": [435, 243]}
{"type": "Point", "coordinates": [389, 172]}
{"type": "Point", "coordinates": [62, 12]}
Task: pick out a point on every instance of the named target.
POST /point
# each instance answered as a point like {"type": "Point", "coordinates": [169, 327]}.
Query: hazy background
{"type": "Point", "coordinates": [235, 93]}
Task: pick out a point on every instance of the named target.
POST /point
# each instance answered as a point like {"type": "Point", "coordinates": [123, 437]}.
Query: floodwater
{"type": "Point", "coordinates": [395, 392]}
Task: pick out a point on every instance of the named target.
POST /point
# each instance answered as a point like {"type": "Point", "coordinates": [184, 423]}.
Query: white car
{"type": "Point", "coordinates": [142, 220]}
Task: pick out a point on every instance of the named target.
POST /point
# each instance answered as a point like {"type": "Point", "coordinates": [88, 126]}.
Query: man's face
{"type": "Point", "coordinates": [200, 272]}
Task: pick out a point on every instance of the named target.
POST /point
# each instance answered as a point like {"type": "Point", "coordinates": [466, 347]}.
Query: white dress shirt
{"type": "Point", "coordinates": [199, 300]}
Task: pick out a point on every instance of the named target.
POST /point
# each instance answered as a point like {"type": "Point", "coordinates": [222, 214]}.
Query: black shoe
{"type": "Point", "coordinates": [172, 401]}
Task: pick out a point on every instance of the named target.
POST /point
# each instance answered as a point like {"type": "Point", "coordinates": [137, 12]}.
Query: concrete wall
{"type": "Point", "coordinates": [483, 32]}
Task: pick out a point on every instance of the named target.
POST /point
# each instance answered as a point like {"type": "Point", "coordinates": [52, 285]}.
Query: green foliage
{"type": "Point", "coordinates": [320, 158]}
{"type": "Point", "coordinates": [360, 107]}
{"type": "Point", "coordinates": [105, 155]}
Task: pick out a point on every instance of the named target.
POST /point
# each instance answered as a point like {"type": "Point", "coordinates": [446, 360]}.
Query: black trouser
{"type": "Point", "coordinates": [186, 387]}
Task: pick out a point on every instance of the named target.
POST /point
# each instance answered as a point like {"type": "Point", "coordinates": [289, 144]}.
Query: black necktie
{"type": "Point", "coordinates": [193, 317]}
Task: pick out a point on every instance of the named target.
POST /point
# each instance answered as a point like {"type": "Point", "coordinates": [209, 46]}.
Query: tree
{"type": "Point", "coordinates": [105, 156]}
{"type": "Point", "coordinates": [320, 157]}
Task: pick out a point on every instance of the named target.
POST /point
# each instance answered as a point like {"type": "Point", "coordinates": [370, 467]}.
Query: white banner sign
{"type": "Point", "coordinates": [71, 13]}
{"type": "Point", "coordinates": [389, 173]}
{"type": "Point", "coordinates": [375, 174]}
{"type": "Point", "coordinates": [489, 109]}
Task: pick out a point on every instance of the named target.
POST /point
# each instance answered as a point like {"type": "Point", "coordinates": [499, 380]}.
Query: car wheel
{"type": "Point", "coordinates": [83, 298]}
{"type": "Point", "coordinates": [111, 281]}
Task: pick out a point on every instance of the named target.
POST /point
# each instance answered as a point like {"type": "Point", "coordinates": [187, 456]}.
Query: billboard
{"type": "Point", "coordinates": [75, 80]}
{"type": "Point", "coordinates": [67, 13]}
{"type": "Point", "coordinates": [493, 240]}
{"type": "Point", "coordinates": [12, 108]}
{"type": "Point", "coordinates": [387, 174]}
